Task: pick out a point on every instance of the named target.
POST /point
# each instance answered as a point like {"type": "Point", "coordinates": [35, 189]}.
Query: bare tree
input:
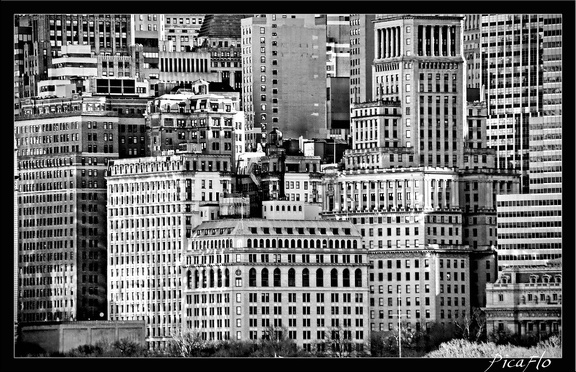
{"type": "Point", "coordinates": [473, 326]}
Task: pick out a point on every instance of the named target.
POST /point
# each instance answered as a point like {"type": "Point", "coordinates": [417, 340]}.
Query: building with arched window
{"type": "Point", "coordinates": [526, 299]}
{"type": "Point", "coordinates": [284, 274]}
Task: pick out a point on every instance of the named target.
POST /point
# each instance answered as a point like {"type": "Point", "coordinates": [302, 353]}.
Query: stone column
{"type": "Point", "coordinates": [440, 40]}
{"type": "Point", "coordinates": [399, 45]}
{"type": "Point", "coordinates": [432, 40]}
{"type": "Point", "coordinates": [424, 39]}
{"type": "Point", "coordinates": [449, 41]}
{"type": "Point", "coordinates": [383, 43]}
{"type": "Point", "coordinates": [388, 42]}
{"type": "Point", "coordinates": [393, 41]}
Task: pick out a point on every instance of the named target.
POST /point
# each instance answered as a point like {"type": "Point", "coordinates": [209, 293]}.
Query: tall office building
{"type": "Point", "coordinates": [338, 75]}
{"type": "Point", "coordinates": [530, 225]}
{"type": "Point", "coordinates": [63, 149]}
{"type": "Point", "coordinates": [361, 57]}
{"type": "Point", "coordinates": [22, 49]}
{"type": "Point", "coordinates": [432, 183]}
{"type": "Point", "coordinates": [284, 75]}
{"type": "Point", "coordinates": [521, 63]}
{"type": "Point", "coordinates": [147, 31]}
{"type": "Point", "coordinates": [107, 34]}
{"type": "Point", "coordinates": [153, 205]}
{"type": "Point", "coordinates": [471, 32]}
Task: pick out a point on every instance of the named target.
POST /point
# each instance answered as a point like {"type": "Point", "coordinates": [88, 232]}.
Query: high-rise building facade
{"type": "Point", "coordinates": [63, 149]}
{"type": "Point", "coordinates": [419, 175]}
{"type": "Point", "coordinates": [153, 205]}
{"type": "Point", "coordinates": [22, 49]}
{"type": "Point", "coordinates": [284, 75]}
{"type": "Point", "coordinates": [338, 75]}
{"type": "Point", "coordinates": [529, 228]}
{"type": "Point", "coordinates": [521, 64]}
{"type": "Point", "coordinates": [245, 278]}
{"type": "Point", "coordinates": [361, 57]}
{"type": "Point", "coordinates": [530, 224]}
{"type": "Point", "coordinates": [471, 33]}
{"type": "Point", "coordinates": [107, 34]}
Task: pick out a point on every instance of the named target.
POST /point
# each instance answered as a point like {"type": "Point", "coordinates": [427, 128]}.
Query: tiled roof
{"type": "Point", "coordinates": [222, 25]}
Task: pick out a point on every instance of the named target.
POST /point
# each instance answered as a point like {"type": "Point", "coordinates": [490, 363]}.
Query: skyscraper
{"type": "Point", "coordinates": [284, 74]}
{"type": "Point", "coordinates": [516, 50]}
{"type": "Point", "coordinates": [153, 205]}
{"type": "Point", "coordinates": [62, 154]}
{"type": "Point", "coordinates": [419, 175]}
{"type": "Point", "coordinates": [361, 57]}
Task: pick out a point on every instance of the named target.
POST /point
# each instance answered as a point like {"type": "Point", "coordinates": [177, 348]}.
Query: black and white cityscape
{"type": "Point", "coordinates": [288, 185]}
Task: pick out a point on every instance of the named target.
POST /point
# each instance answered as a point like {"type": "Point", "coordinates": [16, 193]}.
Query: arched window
{"type": "Point", "coordinates": [189, 281]}
{"type": "Point", "coordinates": [252, 277]}
{"type": "Point", "coordinates": [203, 278]}
{"type": "Point", "coordinates": [227, 278]}
{"type": "Point", "coordinates": [334, 278]}
{"type": "Point", "coordinates": [196, 279]}
{"type": "Point", "coordinates": [319, 278]}
{"type": "Point", "coordinates": [337, 244]}
{"type": "Point", "coordinates": [262, 243]}
{"type": "Point", "coordinates": [355, 244]}
{"type": "Point", "coordinates": [358, 278]}
{"type": "Point", "coordinates": [286, 243]}
{"type": "Point", "coordinates": [276, 277]}
{"type": "Point", "coordinates": [330, 244]}
{"type": "Point", "coordinates": [312, 243]}
{"type": "Point", "coordinates": [305, 243]}
{"type": "Point", "coordinates": [291, 278]}
{"type": "Point", "coordinates": [299, 243]}
{"type": "Point", "coordinates": [219, 277]}
{"type": "Point", "coordinates": [264, 278]}
{"type": "Point", "coordinates": [279, 243]}
{"type": "Point", "coordinates": [324, 243]}
{"type": "Point", "coordinates": [255, 243]}
{"type": "Point", "coordinates": [293, 244]}
{"type": "Point", "coordinates": [305, 278]}
{"type": "Point", "coordinates": [318, 243]}
{"type": "Point", "coordinates": [346, 278]}
{"type": "Point", "coordinates": [211, 277]}
{"type": "Point", "coordinates": [249, 243]}
{"type": "Point", "coordinates": [267, 243]}
{"type": "Point", "coordinates": [349, 244]}
{"type": "Point", "coordinates": [273, 243]}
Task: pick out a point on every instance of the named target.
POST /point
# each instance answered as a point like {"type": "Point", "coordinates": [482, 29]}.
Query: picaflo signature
{"type": "Point", "coordinates": [520, 363]}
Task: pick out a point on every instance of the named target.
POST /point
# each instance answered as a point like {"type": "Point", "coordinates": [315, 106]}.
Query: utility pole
{"type": "Point", "coordinates": [399, 315]}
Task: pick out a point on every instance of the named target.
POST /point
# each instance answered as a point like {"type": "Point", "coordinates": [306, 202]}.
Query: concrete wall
{"type": "Point", "coordinates": [64, 336]}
